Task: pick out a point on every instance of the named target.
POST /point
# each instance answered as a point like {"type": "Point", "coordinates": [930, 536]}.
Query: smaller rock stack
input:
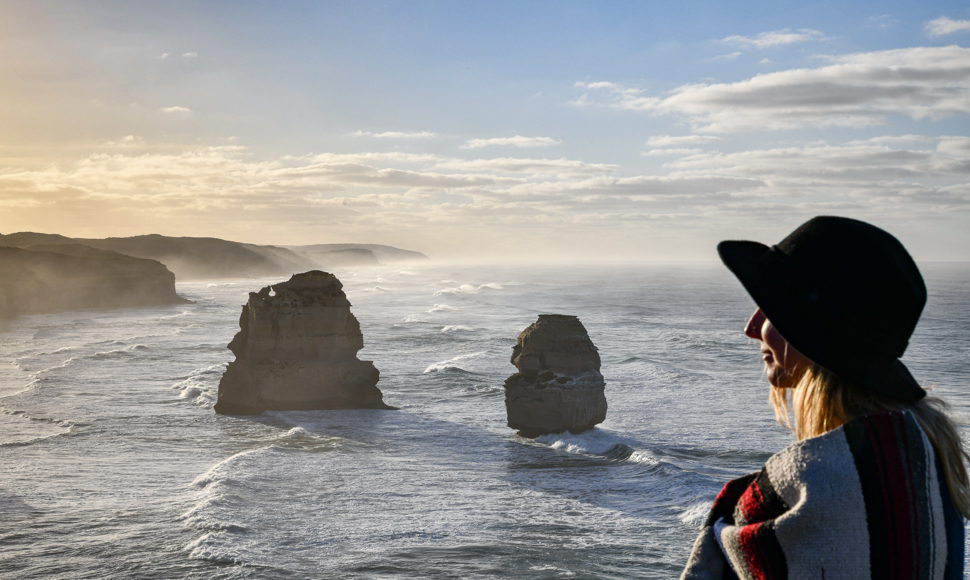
{"type": "Point", "coordinates": [297, 349]}
{"type": "Point", "coordinates": [559, 386]}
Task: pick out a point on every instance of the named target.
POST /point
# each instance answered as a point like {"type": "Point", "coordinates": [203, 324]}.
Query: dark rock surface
{"type": "Point", "coordinates": [187, 258]}
{"type": "Point", "coordinates": [297, 349]}
{"type": "Point", "coordinates": [558, 386]}
{"type": "Point", "coordinates": [44, 279]}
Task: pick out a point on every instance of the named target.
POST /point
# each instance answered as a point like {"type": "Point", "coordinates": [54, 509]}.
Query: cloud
{"type": "Point", "coordinates": [730, 56]}
{"type": "Point", "coordinates": [396, 135]}
{"type": "Point", "coordinates": [668, 140]}
{"type": "Point", "coordinates": [598, 85]}
{"type": "Point", "coordinates": [367, 157]}
{"type": "Point", "coordinates": [944, 25]}
{"type": "Point", "coordinates": [956, 146]}
{"type": "Point", "coordinates": [857, 90]}
{"type": "Point", "coordinates": [175, 109]}
{"type": "Point", "coordinates": [126, 141]}
{"type": "Point", "coordinates": [517, 141]}
{"type": "Point", "coordinates": [190, 55]}
{"type": "Point", "coordinates": [563, 167]}
{"type": "Point", "coordinates": [673, 151]}
{"type": "Point", "coordinates": [775, 38]}
{"type": "Point", "coordinates": [467, 206]}
{"type": "Point", "coordinates": [892, 139]}
{"type": "Point", "coordinates": [865, 166]}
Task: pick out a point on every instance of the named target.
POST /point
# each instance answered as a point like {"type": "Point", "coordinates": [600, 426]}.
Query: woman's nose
{"type": "Point", "coordinates": [753, 328]}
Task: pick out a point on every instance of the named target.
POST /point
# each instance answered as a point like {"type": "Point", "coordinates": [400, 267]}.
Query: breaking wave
{"type": "Point", "coordinates": [454, 363]}
{"type": "Point", "coordinates": [457, 328]}
{"type": "Point", "coordinates": [468, 289]}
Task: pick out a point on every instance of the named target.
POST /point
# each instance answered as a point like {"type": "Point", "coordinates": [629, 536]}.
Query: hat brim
{"type": "Point", "coordinates": [757, 268]}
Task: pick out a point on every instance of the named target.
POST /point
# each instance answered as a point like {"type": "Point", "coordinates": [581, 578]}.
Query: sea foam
{"type": "Point", "coordinates": [592, 442]}
{"type": "Point", "coordinates": [457, 328]}
{"type": "Point", "coordinates": [454, 363]}
{"type": "Point", "coordinates": [468, 289]}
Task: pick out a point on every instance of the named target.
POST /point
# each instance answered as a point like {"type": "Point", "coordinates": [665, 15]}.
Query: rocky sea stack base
{"type": "Point", "coordinates": [559, 386]}
{"type": "Point", "coordinates": [297, 350]}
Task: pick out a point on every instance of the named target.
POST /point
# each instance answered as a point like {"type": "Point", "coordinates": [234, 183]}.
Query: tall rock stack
{"type": "Point", "coordinates": [296, 350]}
{"type": "Point", "coordinates": [559, 386]}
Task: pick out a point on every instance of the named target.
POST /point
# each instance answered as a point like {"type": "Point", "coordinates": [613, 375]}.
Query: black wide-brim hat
{"type": "Point", "coordinates": [845, 293]}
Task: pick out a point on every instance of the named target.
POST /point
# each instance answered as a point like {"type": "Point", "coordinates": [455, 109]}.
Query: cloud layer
{"type": "Point", "coordinates": [774, 38]}
{"type": "Point", "coordinates": [517, 141]}
{"type": "Point", "coordinates": [452, 206]}
{"type": "Point", "coordinates": [943, 25]}
{"type": "Point", "coordinates": [397, 135]}
{"type": "Point", "coordinates": [856, 90]}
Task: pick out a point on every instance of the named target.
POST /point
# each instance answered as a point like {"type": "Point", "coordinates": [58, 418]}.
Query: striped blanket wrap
{"type": "Point", "coordinates": [865, 500]}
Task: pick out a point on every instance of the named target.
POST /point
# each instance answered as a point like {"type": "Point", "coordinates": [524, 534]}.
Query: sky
{"type": "Point", "coordinates": [510, 131]}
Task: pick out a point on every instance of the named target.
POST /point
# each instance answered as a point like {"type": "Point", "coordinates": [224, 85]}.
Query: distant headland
{"type": "Point", "coordinates": [41, 273]}
{"type": "Point", "coordinates": [208, 258]}
{"type": "Point", "coordinates": [51, 278]}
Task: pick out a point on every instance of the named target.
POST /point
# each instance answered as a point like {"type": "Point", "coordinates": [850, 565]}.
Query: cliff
{"type": "Point", "coordinates": [384, 254]}
{"type": "Point", "coordinates": [204, 258]}
{"type": "Point", "coordinates": [297, 349]}
{"type": "Point", "coordinates": [558, 386]}
{"type": "Point", "coordinates": [59, 277]}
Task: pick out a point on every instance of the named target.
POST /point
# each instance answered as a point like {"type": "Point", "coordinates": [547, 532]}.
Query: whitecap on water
{"type": "Point", "coordinates": [442, 308]}
{"type": "Point", "coordinates": [414, 318]}
{"type": "Point", "coordinates": [457, 328]}
{"type": "Point", "coordinates": [549, 568]}
{"type": "Point", "coordinates": [220, 472]}
{"type": "Point", "coordinates": [200, 385]}
{"type": "Point", "coordinates": [121, 352]}
{"type": "Point", "coordinates": [592, 442]}
{"type": "Point", "coordinates": [179, 315]}
{"type": "Point", "coordinates": [468, 289]}
{"type": "Point", "coordinates": [463, 289]}
{"type": "Point", "coordinates": [696, 514]}
{"type": "Point", "coordinates": [206, 549]}
{"type": "Point", "coordinates": [302, 438]}
{"type": "Point", "coordinates": [457, 362]}
{"type": "Point", "coordinates": [190, 392]}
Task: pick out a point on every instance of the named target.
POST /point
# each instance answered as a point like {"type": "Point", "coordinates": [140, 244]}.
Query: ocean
{"type": "Point", "coordinates": [113, 464]}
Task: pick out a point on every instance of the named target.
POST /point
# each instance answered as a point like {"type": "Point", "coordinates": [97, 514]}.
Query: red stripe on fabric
{"type": "Point", "coordinates": [896, 482]}
{"type": "Point", "coordinates": [754, 557]}
{"type": "Point", "coordinates": [908, 493]}
{"type": "Point", "coordinates": [879, 459]}
{"type": "Point", "coordinates": [729, 492]}
{"type": "Point", "coordinates": [749, 503]}
{"type": "Point", "coordinates": [755, 506]}
{"type": "Point", "coordinates": [724, 493]}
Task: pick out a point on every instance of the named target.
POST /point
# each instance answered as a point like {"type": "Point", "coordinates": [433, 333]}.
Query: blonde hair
{"type": "Point", "coordinates": [820, 401]}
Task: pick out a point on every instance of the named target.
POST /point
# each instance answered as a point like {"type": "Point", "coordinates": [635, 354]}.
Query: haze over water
{"type": "Point", "coordinates": [115, 465]}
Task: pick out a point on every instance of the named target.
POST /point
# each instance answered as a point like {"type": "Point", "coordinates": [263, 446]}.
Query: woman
{"type": "Point", "coordinates": [876, 485]}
